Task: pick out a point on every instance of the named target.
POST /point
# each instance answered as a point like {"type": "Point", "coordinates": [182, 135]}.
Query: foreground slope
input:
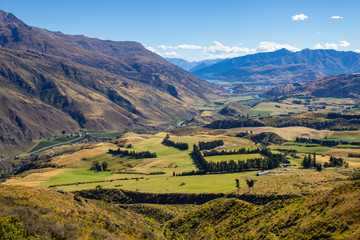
{"type": "Point", "coordinates": [334, 215]}
{"type": "Point", "coordinates": [28, 213]}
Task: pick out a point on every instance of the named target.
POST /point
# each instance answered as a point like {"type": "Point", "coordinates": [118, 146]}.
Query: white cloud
{"type": "Point", "coordinates": [170, 54]}
{"type": "Point", "coordinates": [326, 46]}
{"type": "Point", "coordinates": [336, 17]}
{"type": "Point", "coordinates": [182, 46]}
{"type": "Point", "coordinates": [220, 51]}
{"type": "Point", "coordinates": [272, 46]}
{"type": "Point", "coordinates": [344, 43]}
{"type": "Point", "coordinates": [163, 47]}
{"type": "Point", "coordinates": [188, 47]}
{"type": "Point", "coordinates": [152, 49]}
{"type": "Point", "coordinates": [335, 46]}
{"type": "Point", "coordinates": [299, 17]}
{"type": "Point", "coordinates": [357, 50]}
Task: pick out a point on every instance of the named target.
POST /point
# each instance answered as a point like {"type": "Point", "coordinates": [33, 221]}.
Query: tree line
{"type": "Point", "coordinates": [262, 151]}
{"type": "Point", "coordinates": [210, 145]}
{"type": "Point", "coordinates": [132, 154]}
{"type": "Point", "coordinates": [326, 143]}
{"type": "Point", "coordinates": [179, 145]}
{"type": "Point", "coordinates": [355, 155]}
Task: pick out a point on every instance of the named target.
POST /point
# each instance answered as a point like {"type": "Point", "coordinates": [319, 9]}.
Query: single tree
{"type": "Point", "coordinates": [250, 183]}
{"type": "Point", "coordinates": [318, 167]}
{"type": "Point", "coordinates": [313, 161]}
{"type": "Point", "coordinates": [104, 166]}
{"type": "Point", "coordinates": [237, 184]}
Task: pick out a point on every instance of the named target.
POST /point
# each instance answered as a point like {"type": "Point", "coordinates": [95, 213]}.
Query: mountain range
{"type": "Point", "coordinates": [192, 66]}
{"type": "Point", "coordinates": [281, 66]}
{"type": "Point", "coordinates": [52, 82]}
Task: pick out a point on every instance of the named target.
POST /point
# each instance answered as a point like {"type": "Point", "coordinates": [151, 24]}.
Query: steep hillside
{"type": "Point", "coordinates": [102, 85]}
{"type": "Point", "coordinates": [283, 66]}
{"type": "Point", "coordinates": [331, 215]}
{"type": "Point", "coordinates": [233, 109]}
{"type": "Point", "coordinates": [338, 86]}
{"type": "Point", "coordinates": [28, 213]}
{"type": "Point", "coordinates": [127, 59]}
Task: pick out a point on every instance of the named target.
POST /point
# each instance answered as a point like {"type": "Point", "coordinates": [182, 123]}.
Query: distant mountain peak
{"type": "Point", "coordinates": [283, 66]}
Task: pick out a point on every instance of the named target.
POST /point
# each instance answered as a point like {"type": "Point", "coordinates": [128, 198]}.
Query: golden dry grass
{"type": "Point", "coordinates": [35, 178]}
{"type": "Point", "coordinates": [74, 159]}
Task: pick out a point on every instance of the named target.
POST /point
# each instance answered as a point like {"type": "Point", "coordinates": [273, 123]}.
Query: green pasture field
{"type": "Point", "coordinates": [303, 149]}
{"type": "Point", "coordinates": [44, 145]}
{"type": "Point", "coordinates": [232, 157]}
{"type": "Point", "coordinates": [103, 134]}
{"type": "Point", "coordinates": [75, 176]}
{"type": "Point", "coordinates": [209, 183]}
{"type": "Point", "coordinates": [346, 135]}
{"type": "Point", "coordinates": [266, 108]}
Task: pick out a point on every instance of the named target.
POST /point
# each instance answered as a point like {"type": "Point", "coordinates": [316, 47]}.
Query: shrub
{"type": "Point", "coordinates": [356, 175]}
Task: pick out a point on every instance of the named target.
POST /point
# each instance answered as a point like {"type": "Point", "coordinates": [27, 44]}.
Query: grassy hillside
{"type": "Point", "coordinates": [33, 213]}
{"type": "Point", "coordinates": [334, 214]}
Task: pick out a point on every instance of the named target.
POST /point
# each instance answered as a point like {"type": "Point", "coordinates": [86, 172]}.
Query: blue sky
{"type": "Point", "coordinates": [201, 29]}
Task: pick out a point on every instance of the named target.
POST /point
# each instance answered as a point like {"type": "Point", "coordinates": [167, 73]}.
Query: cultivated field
{"type": "Point", "coordinates": [156, 174]}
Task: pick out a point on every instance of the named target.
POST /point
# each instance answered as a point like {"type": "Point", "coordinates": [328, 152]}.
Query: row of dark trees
{"type": "Point", "coordinates": [210, 145]}
{"type": "Point", "coordinates": [132, 154]}
{"type": "Point", "coordinates": [179, 145]}
{"type": "Point", "coordinates": [355, 155]}
{"type": "Point", "coordinates": [327, 143]}
{"type": "Point", "coordinates": [262, 151]}
{"type": "Point", "coordinates": [269, 162]}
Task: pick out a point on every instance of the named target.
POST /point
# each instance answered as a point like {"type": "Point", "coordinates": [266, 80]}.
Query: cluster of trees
{"type": "Point", "coordinates": [132, 154]}
{"type": "Point", "coordinates": [179, 145]}
{"type": "Point", "coordinates": [355, 155]}
{"type": "Point", "coordinates": [210, 145]}
{"type": "Point", "coordinates": [229, 123]}
{"type": "Point", "coordinates": [335, 115]}
{"type": "Point", "coordinates": [309, 161]}
{"type": "Point", "coordinates": [327, 143]}
{"type": "Point", "coordinates": [99, 167]}
{"type": "Point", "coordinates": [263, 151]}
{"type": "Point", "coordinates": [336, 162]}
{"type": "Point", "coordinates": [269, 162]}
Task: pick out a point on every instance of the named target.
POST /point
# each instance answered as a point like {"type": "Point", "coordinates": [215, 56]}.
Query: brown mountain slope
{"type": "Point", "coordinates": [24, 119]}
{"type": "Point", "coordinates": [102, 85]}
{"type": "Point", "coordinates": [128, 59]}
{"type": "Point", "coordinates": [337, 86]}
